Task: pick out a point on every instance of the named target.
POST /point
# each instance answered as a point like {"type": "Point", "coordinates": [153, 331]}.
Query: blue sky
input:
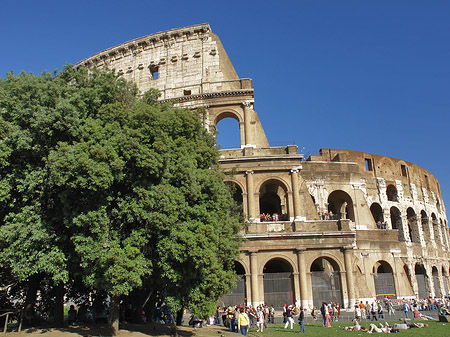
{"type": "Point", "coordinates": [365, 75]}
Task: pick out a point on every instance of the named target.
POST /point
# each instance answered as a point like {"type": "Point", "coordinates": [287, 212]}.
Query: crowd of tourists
{"type": "Point", "coordinates": [328, 216]}
{"type": "Point", "coordinates": [241, 319]}
{"type": "Point", "coordinates": [273, 217]}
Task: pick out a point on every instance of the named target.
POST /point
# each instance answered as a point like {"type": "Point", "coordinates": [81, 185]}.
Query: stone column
{"type": "Point", "coordinates": [295, 193]}
{"type": "Point", "coordinates": [247, 122]}
{"type": "Point", "coordinates": [250, 196]}
{"type": "Point", "coordinates": [302, 276]}
{"type": "Point", "coordinates": [348, 254]}
{"type": "Point", "coordinates": [254, 276]}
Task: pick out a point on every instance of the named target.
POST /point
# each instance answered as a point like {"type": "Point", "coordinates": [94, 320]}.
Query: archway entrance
{"type": "Point", "coordinates": [238, 294]}
{"type": "Point", "coordinates": [341, 204]}
{"type": "Point", "coordinates": [421, 276]}
{"type": "Point", "coordinates": [278, 283]}
{"type": "Point", "coordinates": [326, 281]}
{"type": "Point", "coordinates": [383, 278]}
{"type": "Point", "coordinates": [273, 200]}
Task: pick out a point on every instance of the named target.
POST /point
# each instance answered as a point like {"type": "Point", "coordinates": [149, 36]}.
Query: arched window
{"type": "Point", "coordinates": [396, 222]}
{"type": "Point", "coordinates": [341, 205]}
{"type": "Point", "coordinates": [273, 201]}
{"type": "Point", "coordinates": [391, 192]}
{"type": "Point", "coordinates": [413, 225]}
{"type": "Point", "coordinates": [228, 133]}
{"type": "Point", "coordinates": [378, 215]}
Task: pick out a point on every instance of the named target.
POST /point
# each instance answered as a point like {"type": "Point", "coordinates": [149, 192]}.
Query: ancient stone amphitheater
{"type": "Point", "coordinates": [346, 225]}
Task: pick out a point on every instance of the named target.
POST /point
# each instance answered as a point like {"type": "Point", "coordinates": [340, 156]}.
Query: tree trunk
{"type": "Point", "coordinates": [179, 318]}
{"type": "Point", "coordinates": [114, 311]}
{"type": "Point", "coordinates": [59, 305]}
{"type": "Point", "coordinates": [30, 299]}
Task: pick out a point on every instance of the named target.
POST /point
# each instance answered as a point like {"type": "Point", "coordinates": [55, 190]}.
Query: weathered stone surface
{"type": "Point", "coordinates": [191, 68]}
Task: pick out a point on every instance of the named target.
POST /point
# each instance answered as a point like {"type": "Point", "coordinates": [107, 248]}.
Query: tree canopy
{"type": "Point", "coordinates": [115, 189]}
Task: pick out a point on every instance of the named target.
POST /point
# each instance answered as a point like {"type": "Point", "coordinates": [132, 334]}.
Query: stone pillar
{"type": "Point", "coordinates": [250, 196]}
{"type": "Point", "coordinates": [247, 122]}
{"type": "Point", "coordinates": [254, 277]}
{"type": "Point", "coordinates": [295, 193]}
{"type": "Point", "coordinates": [348, 254]}
{"type": "Point", "coordinates": [406, 234]}
{"type": "Point", "coordinates": [302, 276]}
{"type": "Point", "coordinates": [412, 277]}
{"type": "Point", "coordinates": [429, 279]}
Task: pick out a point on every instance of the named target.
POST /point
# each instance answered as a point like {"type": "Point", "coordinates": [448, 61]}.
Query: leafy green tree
{"type": "Point", "coordinates": [118, 190]}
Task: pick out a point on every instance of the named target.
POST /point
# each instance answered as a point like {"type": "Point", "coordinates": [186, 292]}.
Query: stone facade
{"type": "Point", "coordinates": [350, 225]}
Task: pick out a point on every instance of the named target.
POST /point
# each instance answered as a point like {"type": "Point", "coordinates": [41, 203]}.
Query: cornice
{"type": "Point", "coordinates": [148, 39]}
{"type": "Point", "coordinates": [210, 95]}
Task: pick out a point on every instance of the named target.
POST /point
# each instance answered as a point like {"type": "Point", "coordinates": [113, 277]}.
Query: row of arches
{"type": "Point", "coordinates": [424, 281]}
{"type": "Point", "coordinates": [431, 229]}
{"type": "Point", "coordinates": [273, 198]}
{"type": "Point", "coordinates": [326, 279]}
{"type": "Point", "coordinates": [393, 195]}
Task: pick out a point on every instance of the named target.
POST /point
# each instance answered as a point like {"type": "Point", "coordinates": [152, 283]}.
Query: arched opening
{"type": "Point", "coordinates": [436, 228]}
{"type": "Point", "coordinates": [413, 225]}
{"type": "Point", "coordinates": [396, 221]}
{"type": "Point", "coordinates": [383, 278]}
{"type": "Point", "coordinates": [278, 283]}
{"type": "Point", "coordinates": [377, 214]}
{"type": "Point", "coordinates": [421, 276]}
{"type": "Point", "coordinates": [438, 206]}
{"type": "Point", "coordinates": [391, 193]}
{"type": "Point", "coordinates": [425, 224]}
{"type": "Point", "coordinates": [325, 281]}
{"type": "Point", "coordinates": [340, 204]}
{"type": "Point", "coordinates": [228, 134]}
{"type": "Point", "coordinates": [238, 294]}
{"type": "Point", "coordinates": [273, 201]}
{"type": "Point", "coordinates": [437, 288]}
{"type": "Point", "coordinates": [236, 193]}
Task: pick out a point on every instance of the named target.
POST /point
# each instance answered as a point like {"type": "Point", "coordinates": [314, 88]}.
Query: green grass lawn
{"type": "Point", "coordinates": [435, 329]}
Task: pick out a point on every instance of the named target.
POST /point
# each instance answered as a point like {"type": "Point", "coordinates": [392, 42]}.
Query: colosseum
{"type": "Point", "coordinates": [339, 226]}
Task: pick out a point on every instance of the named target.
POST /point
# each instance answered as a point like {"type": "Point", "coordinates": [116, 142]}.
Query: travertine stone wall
{"type": "Point", "coordinates": [192, 69]}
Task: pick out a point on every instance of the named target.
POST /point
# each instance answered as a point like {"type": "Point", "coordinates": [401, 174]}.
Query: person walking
{"type": "Point", "coordinates": [243, 322]}
{"type": "Point", "coordinates": [301, 320]}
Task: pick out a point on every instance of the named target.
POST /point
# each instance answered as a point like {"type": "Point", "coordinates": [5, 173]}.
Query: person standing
{"type": "Point", "coordinates": [243, 322]}
{"type": "Point", "coordinates": [301, 320]}
{"type": "Point", "coordinates": [289, 319]}
{"type": "Point", "coordinates": [406, 308]}
{"type": "Point", "coordinates": [259, 320]}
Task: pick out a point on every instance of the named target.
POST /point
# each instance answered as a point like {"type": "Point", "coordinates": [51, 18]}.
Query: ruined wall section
{"type": "Point", "coordinates": [191, 69]}
{"type": "Point", "coordinates": [175, 62]}
{"type": "Point", "coordinates": [417, 197]}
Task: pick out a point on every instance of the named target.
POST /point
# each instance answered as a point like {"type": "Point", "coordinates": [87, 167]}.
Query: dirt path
{"type": "Point", "coordinates": [129, 330]}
